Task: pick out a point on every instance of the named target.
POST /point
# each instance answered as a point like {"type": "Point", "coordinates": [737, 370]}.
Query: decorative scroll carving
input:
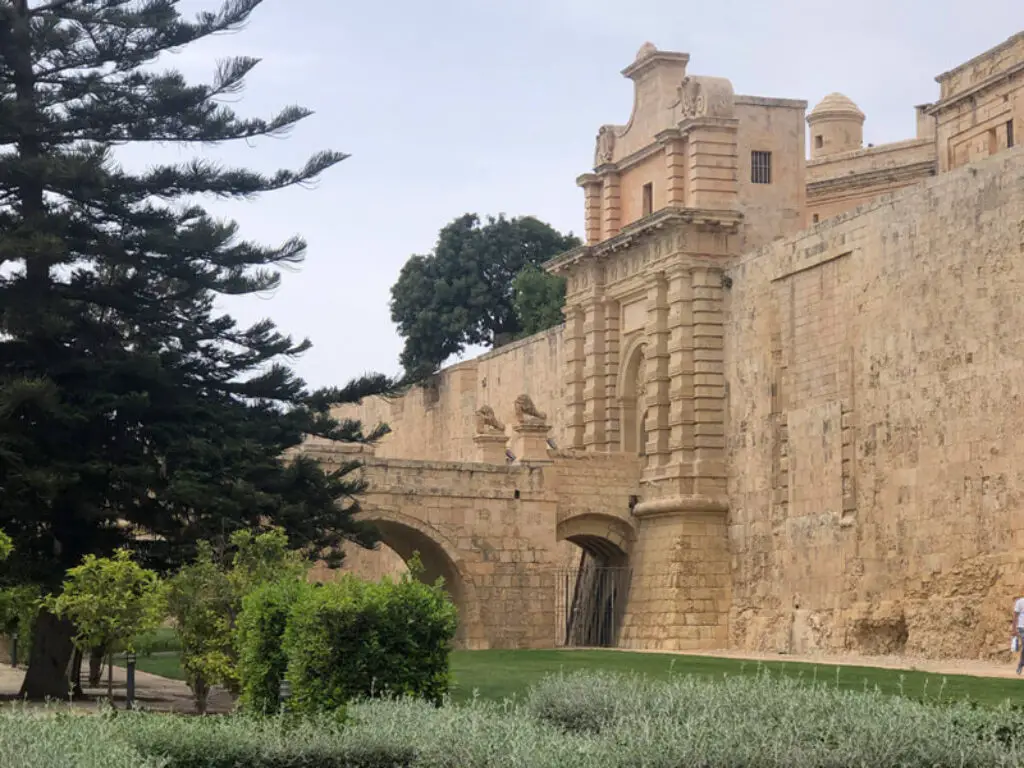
{"type": "Point", "coordinates": [605, 145]}
{"type": "Point", "coordinates": [705, 97]}
{"type": "Point", "coordinates": [487, 423]}
{"type": "Point", "coordinates": [527, 413]}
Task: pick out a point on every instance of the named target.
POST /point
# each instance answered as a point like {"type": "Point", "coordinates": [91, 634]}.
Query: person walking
{"type": "Point", "coordinates": [1018, 629]}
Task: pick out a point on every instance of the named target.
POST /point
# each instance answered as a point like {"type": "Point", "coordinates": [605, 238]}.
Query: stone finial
{"type": "Point", "coordinates": [604, 152]}
{"type": "Point", "coordinates": [647, 49]}
{"type": "Point", "coordinates": [487, 422]}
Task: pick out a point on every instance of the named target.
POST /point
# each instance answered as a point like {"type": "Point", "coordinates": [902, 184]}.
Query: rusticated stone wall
{"type": "Point", "coordinates": [876, 424]}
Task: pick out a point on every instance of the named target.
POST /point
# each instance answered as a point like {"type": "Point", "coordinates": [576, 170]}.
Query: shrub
{"type": "Point", "coordinates": [351, 639]}
{"type": "Point", "coordinates": [262, 662]}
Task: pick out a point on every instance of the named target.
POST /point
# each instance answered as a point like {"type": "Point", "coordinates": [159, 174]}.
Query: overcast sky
{"type": "Point", "coordinates": [491, 106]}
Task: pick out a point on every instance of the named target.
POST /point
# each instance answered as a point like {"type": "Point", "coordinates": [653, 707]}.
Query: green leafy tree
{"type": "Point", "coordinates": [6, 546]}
{"type": "Point", "coordinates": [538, 299]}
{"type": "Point", "coordinates": [205, 599]}
{"type": "Point", "coordinates": [110, 600]}
{"type": "Point", "coordinates": [128, 404]}
{"type": "Point", "coordinates": [201, 600]}
{"type": "Point", "coordinates": [462, 293]}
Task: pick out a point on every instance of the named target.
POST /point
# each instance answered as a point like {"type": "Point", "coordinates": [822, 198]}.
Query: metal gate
{"type": "Point", "coordinates": [590, 602]}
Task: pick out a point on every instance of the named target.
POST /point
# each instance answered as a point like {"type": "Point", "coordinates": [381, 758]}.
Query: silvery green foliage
{"type": "Point", "coordinates": [591, 720]}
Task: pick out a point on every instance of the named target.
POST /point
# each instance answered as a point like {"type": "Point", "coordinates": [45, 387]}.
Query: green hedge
{"type": "Point", "coordinates": [262, 661]}
{"type": "Point", "coordinates": [351, 639]}
{"type": "Point", "coordinates": [579, 721]}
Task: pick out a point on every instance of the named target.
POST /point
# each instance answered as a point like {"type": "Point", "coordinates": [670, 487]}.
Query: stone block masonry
{"type": "Point", "coordinates": [876, 425]}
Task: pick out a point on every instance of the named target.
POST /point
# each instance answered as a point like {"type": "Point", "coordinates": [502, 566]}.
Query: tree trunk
{"type": "Point", "coordinates": [96, 667]}
{"type": "Point", "coordinates": [202, 693]}
{"type": "Point", "coordinates": [75, 674]}
{"type": "Point", "coordinates": [47, 674]}
{"type": "Point", "coordinates": [110, 678]}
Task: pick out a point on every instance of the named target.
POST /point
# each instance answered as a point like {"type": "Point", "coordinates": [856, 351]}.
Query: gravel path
{"type": "Point", "coordinates": [152, 692]}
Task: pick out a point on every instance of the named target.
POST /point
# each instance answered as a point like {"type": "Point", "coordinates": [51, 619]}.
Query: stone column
{"type": "Point", "coordinates": [611, 206]}
{"type": "Point", "coordinates": [594, 374]}
{"type": "Point", "coordinates": [709, 384]}
{"type": "Point", "coordinates": [657, 370]}
{"type": "Point", "coordinates": [613, 415]}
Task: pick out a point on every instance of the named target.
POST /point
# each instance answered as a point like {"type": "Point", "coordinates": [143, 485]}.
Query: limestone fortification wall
{"type": "Point", "coordinates": [876, 424]}
{"type": "Point", "coordinates": [437, 422]}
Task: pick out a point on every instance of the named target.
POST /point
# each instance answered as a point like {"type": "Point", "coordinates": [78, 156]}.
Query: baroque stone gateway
{"type": "Point", "coordinates": [785, 411]}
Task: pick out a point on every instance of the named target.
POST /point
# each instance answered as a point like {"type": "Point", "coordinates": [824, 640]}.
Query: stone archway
{"type": "Point", "coordinates": [593, 603]}
{"type": "Point", "coordinates": [408, 536]}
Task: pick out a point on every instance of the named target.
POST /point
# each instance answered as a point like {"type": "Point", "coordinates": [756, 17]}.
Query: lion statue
{"type": "Point", "coordinates": [487, 423]}
{"type": "Point", "coordinates": [527, 413]}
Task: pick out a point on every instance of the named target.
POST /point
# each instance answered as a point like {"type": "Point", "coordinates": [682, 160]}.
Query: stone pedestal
{"type": "Point", "coordinates": [531, 442]}
{"type": "Point", "coordinates": [490, 448]}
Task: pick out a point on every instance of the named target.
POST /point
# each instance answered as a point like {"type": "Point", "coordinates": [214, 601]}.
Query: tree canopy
{"type": "Point", "coordinates": [463, 292]}
{"type": "Point", "coordinates": [132, 411]}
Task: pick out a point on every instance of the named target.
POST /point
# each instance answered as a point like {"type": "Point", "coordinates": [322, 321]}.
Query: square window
{"type": "Point", "coordinates": [761, 167]}
{"type": "Point", "coordinates": [819, 142]}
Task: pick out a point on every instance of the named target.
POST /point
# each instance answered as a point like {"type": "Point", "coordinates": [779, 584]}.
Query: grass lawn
{"type": "Point", "coordinates": [502, 674]}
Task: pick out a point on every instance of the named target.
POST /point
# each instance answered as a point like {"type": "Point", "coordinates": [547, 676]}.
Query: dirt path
{"type": "Point", "coordinates": [970, 667]}
{"type": "Point", "coordinates": [152, 692]}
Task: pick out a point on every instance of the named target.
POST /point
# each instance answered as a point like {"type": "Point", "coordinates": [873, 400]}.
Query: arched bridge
{"type": "Point", "coordinates": [492, 531]}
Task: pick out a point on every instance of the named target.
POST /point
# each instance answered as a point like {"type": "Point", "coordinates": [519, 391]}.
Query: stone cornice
{"type": "Point", "coordinates": [643, 65]}
{"type": "Point", "coordinates": [988, 82]}
{"type": "Point", "coordinates": [1008, 43]}
{"type": "Point", "coordinates": [879, 149]}
{"type": "Point", "coordinates": [769, 101]}
{"type": "Point", "coordinates": [587, 178]}
{"type": "Point", "coordinates": [665, 217]}
{"type": "Point", "coordinates": [908, 173]}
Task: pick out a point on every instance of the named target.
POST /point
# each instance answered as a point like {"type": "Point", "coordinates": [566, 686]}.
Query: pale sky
{"type": "Point", "coordinates": [492, 106]}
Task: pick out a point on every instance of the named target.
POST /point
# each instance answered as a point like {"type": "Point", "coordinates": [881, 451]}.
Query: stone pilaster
{"type": "Point", "coordinates": [677, 172]}
{"type": "Point", "coordinates": [709, 384]}
{"type": "Point", "coordinates": [611, 205]}
{"type": "Point", "coordinates": [681, 418]}
{"type": "Point", "coordinates": [573, 343]}
{"type": "Point", "coordinates": [713, 164]}
{"type": "Point", "coordinates": [592, 193]}
{"type": "Point", "coordinates": [594, 371]}
{"type": "Point", "coordinates": [613, 416]}
{"type": "Point", "coordinates": [657, 370]}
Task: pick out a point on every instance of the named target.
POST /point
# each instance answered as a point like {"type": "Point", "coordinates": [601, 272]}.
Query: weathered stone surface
{"type": "Point", "coordinates": [796, 440]}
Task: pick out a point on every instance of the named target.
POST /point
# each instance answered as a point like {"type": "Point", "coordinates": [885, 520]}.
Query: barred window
{"type": "Point", "coordinates": [761, 167]}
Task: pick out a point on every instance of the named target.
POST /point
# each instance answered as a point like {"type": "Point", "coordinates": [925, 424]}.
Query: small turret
{"type": "Point", "coordinates": [837, 125]}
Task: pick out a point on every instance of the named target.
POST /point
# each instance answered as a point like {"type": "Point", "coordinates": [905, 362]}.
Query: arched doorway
{"type": "Point", "coordinates": [592, 594]}
{"type": "Point", "coordinates": [633, 401]}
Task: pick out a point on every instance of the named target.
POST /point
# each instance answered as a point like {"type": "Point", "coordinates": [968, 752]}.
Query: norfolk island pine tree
{"type": "Point", "coordinates": [132, 413]}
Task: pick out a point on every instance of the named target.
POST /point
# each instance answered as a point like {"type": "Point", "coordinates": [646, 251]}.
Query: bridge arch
{"type": "Point", "coordinates": [594, 594]}
{"type": "Point", "coordinates": [608, 539]}
{"type": "Point", "coordinates": [406, 536]}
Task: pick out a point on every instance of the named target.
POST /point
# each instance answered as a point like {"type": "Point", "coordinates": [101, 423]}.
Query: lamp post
{"type": "Point", "coordinates": [14, 650]}
{"type": "Point", "coordinates": [129, 658]}
{"type": "Point", "coordinates": [284, 693]}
